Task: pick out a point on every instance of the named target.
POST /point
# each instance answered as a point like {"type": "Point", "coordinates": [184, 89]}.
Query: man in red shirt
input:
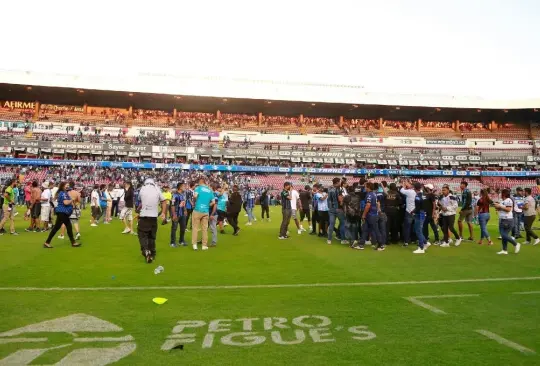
{"type": "Point", "coordinates": [28, 194]}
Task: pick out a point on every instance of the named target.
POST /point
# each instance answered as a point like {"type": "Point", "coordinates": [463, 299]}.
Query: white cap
{"type": "Point", "coordinates": [429, 186]}
{"type": "Point", "coordinates": [149, 181]}
{"type": "Point", "coordinates": [45, 184]}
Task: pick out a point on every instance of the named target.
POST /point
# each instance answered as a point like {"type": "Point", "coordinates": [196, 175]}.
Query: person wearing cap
{"type": "Point", "coordinates": [150, 198]}
{"type": "Point", "coordinates": [286, 210]}
{"type": "Point", "coordinates": [519, 201]}
{"type": "Point", "coordinates": [10, 208]}
{"type": "Point", "coordinates": [204, 205]}
{"type": "Point", "coordinates": [45, 200]}
{"type": "Point", "coordinates": [430, 205]}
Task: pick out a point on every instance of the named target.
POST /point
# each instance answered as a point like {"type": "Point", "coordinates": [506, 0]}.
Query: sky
{"type": "Point", "coordinates": [486, 48]}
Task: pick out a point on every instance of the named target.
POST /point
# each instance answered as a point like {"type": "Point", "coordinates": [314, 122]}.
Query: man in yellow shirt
{"type": "Point", "coordinates": [10, 208]}
{"type": "Point", "coordinates": [167, 194]}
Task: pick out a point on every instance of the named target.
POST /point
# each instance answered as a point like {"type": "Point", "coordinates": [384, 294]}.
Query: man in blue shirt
{"type": "Point", "coordinates": [335, 210]}
{"type": "Point", "coordinates": [204, 199]}
{"type": "Point", "coordinates": [179, 214]}
{"type": "Point", "coordinates": [370, 220]}
{"type": "Point", "coordinates": [214, 215]}
{"type": "Point", "coordinates": [322, 207]}
{"type": "Point", "coordinates": [223, 199]}
{"type": "Point", "coordinates": [383, 219]}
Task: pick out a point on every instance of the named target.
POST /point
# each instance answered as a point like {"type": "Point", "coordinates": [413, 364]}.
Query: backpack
{"type": "Point", "coordinates": [103, 200]}
{"type": "Point", "coordinates": [352, 205]}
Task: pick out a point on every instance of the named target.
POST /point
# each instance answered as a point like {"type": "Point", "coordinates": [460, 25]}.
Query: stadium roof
{"type": "Point", "coordinates": [254, 89]}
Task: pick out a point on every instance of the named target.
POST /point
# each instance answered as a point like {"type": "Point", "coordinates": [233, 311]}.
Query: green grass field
{"type": "Point", "coordinates": [258, 300]}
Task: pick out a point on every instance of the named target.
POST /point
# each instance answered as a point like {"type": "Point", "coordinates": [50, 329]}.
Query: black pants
{"type": "Point", "coordinates": [265, 208]}
{"type": "Point", "coordinates": [528, 221]}
{"type": "Point", "coordinates": [287, 213]}
{"type": "Point", "coordinates": [323, 222]}
{"type": "Point", "coordinates": [147, 231]}
{"type": "Point", "coordinates": [448, 225]}
{"type": "Point", "coordinates": [305, 213]}
{"type": "Point", "coordinates": [189, 212]}
{"type": "Point", "coordinates": [393, 225]}
{"type": "Point", "coordinates": [182, 223]}
{"type": "Point", "coordinates": [425, 230]}
{"type": "Point", "coordinates": [61, 219]}
{"type": "Point", "coordinates": [314, 221]}
{"type": "Point", "coordinates": [114, 208]}
{"type": "Point", "coordinates": [232, 218]}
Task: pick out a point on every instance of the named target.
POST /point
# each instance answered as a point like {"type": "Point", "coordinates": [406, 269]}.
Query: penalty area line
{"type": "Point", "coordinates": [505, 342]}
{"type": "Point", "coordinates": [247, 287]}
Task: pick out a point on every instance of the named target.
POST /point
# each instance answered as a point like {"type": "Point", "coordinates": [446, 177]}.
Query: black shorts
{"type": "Point", "coordinates": [221, 216]}
{"type": "Point", "coordinates": [35, 212]}
{"type": "Point", "coordinates": [96, 212]}
{"type": "Point", "coordinates": [323, 216]}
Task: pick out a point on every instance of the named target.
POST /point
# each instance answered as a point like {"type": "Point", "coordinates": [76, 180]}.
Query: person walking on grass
{"type": "Point", "coordinates": [45, 199]}
{"type": "Point", "coordinates": [234, 207]}
{"type": "Point", "coordinates": [35, 207]}
{"type": "Point", "coordinates": [448, 204]}
{"type": "Point", "coordinates": [250, 204]}
{"type": "Point", "coordinates": [529, 214]}
{"type": "Point", "coordinates": [150, 198]}
{"type": "Point", "coordinates": [483, 204]}
{"type": "Point", "coordinates": [519, 201]}
{"type": "Point", "coordinates": [95, 206]}
{"type": "Point", "coordinates": [76, 213]}
{"type": "Point", "coordinates": [10, 208]}
{"type": "Point", "coordinates": [204, 197]}
{"type": "Point", "coordinates": [179, 215]}
{"type": "Point", "coordinates": [265, 204]}
{"type": "Point", "coordinates": [126, 213]}
{"type": "Point", "coordinates": [63, 210]}
{"type": "Point", "coordinates": [286, 210]}
{"type": "Point", "coordinates": [223, 199]}
{"type": "Point", "coordinates": [506, 222]}
{"type": "Point", "coordinates": [466, 212]}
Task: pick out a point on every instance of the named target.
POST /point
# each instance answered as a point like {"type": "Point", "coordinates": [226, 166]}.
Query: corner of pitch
{"type": "Point", "coordinates": [246, 332]}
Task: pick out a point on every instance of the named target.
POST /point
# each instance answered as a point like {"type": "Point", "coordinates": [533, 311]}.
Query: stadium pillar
{"type": "Point", "coordinates": [301, 119]}
{"type": "Point", "coordinates": [259, 118]}
{"type": "Point", "coordinates": [457, 126]}
{"type": "Point", "coordinates": [85, 108]}
{"type": "Point", "coordinates": [418, 124]}
{"type": "Point", "coordinates": [130, 111]}
{"type": "Point", "coordinates": [340, 121]}
{"type": "Point", "coordinates": [492, 126]}
{"type": "Point", "coordinates": [37, 106]}
{"type": "Point", "coordinates": [174, 113]}
{"type": "Point", "coordinates": [380, 123]}
{"type": "Point", "coordinates": [218, 114]}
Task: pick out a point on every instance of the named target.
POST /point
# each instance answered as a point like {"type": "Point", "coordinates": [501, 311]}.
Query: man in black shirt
{"type": "Point", "coordinates": [305, 201]}
{"type": "Point", "coordinates": [286, 210]}
{"type": "Point", "coordinates": [429, 202]}
{"type": "Point", "coordinates": [392, 207]}
{"type": "Point", "coordinates": [127, 211]}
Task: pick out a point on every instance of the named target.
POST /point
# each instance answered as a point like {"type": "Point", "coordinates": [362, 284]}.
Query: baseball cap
{"type": "Point", "coordinates": [45, 184]}
{"type": "Point", "coordinates": [429, 186]}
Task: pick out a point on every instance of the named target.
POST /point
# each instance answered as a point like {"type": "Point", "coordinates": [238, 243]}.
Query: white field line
{"type": "Point", "coordinates": [416, 300]}
{"type": "Point", "coordinates": [527, 293]}
{"type": "Point", "coordinates": [297, 285]}
{"type": "Point", "coordinates": [22, 340]}
{"type": "Point", "coordinates": [506, 342]}
{"type": "Point", "coordinates": [106, 339]}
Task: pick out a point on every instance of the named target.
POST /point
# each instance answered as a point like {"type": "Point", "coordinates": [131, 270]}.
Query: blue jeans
{"type": "Point", "coordinates": [419, 229]}
{"type": "Point", "coordinates": [383, 231]}
{"type": "Point", "coordinates": [371, 227]}
{"type": "Point", "coordinates": [505, 227]}
{"type": "Point", "coordinates": [518, 219]}
{"type": "Point", "coordinates": [249, 211]}
{"type": "Point", "coordinates": [407, 226]}
{"type": "Point", "coordinates": [333, 216]}
{"type": "Point", "coordinates": [352, 229]}
{"type": "Point", "coordinates": [483, 219]}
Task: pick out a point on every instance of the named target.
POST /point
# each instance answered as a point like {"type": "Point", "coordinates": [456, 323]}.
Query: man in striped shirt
{"type": "Point", "coordinates": [250, 204]}
{"type": "Point", "coordinates": [179, 214]}
{"type": "Point", "coordinates": [286, 210]}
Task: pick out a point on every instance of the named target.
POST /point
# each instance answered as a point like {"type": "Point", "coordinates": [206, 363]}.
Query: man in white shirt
{"type": "Point", "coordinates": [410, 195]}
{"type": "Point", "coordinates": [295, 197]}
{"type": "Point", "coordinates": [150, 198]}
{"type": "Point", "coordinates": [45, 214]}
{"type": "Point", "coordinates": [94, 206]}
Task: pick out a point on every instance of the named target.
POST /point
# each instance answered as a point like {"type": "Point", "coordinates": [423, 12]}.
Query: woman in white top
{"type": "Point", "coordinates": [506, 222]}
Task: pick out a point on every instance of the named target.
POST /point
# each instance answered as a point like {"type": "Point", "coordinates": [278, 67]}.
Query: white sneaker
{"type": "Point", "coordinates": [282, 238]}
{"type": "Point", "coordinates": [419, 251]}
{"type": "Point", "coordinates": [126, 231]}
{"type": "Point", "coordinates": [428, 244]}
{"type": "Point", "coordinates": [444, 245]}
{"type": "Point", "coordinates": [248, 223]}
{"type": "Point", "coordinates": [537, 241]}
{"type": "Point", "coordinates": [368, 242]}
{"type": "Point", "coordinates": [78, 236]}
{"type": "Point", "coordinates": [355, 243]}
{"type": "Point", "coordinates": [302, 228]}
{"type": "Point", "coordinates": [299, 232]}
{"type": "Point", "coordinates": [517, 248]}
{"type": "Point", "coordinates": [93, 225]}
{"type": "Point", "coordinates": [245, 215]}
{"type": "Point", "coordinates": [450, 241]}
{"type": "Point", "coordinates": [61, 237]}
{"type": "Point", "coordinates": [344, 242]}
{"type": "Point", "coordinates": [329, 242]}
{"type": "Point", "coordinates": [502, 252]}
{"type": "Point", "coordinates": [195, 247]}
{"type": "Point", "coordinates": [458, 242]}
{"type": "Point", "coordinates": [204, 248]}
{"type": "Point", "coordinates": [527, 243]}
